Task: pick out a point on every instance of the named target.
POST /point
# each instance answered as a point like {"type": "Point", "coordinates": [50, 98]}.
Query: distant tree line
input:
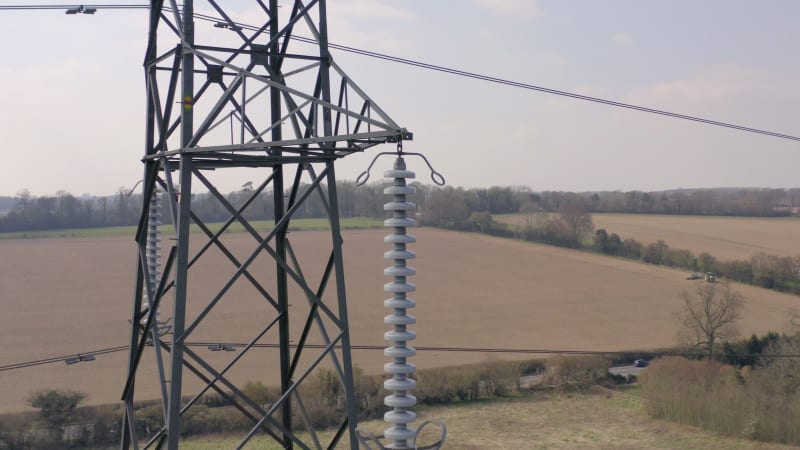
{"type": "Point", "coordinates": [712, 202]}
{"type": "Point", "coordinates": [454, 202]}
{"type": "Point", "coordinates": [63, 210]}
{"type": "Point", "coordinates": [447, 207]}
{"type": "Point", "coordinates": [781, 273]}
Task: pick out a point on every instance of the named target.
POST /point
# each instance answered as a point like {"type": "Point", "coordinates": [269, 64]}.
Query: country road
{"type": "Point", "coordinates": [626, 370]}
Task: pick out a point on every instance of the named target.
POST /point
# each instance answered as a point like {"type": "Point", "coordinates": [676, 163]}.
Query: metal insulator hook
{"type": "Point", "coordinates": [436, 177]}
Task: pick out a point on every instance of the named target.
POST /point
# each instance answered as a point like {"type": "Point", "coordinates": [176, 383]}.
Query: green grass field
{"type": "Point", "coordinates": [601, 419]}
{"type": "Point", "coordinates": [297, 224]}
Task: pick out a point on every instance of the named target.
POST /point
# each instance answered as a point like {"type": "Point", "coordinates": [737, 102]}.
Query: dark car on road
{"type": "Point", "coordinates": [640, 363]}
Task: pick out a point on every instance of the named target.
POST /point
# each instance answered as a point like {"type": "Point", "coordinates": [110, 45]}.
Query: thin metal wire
{"type": "Point", "coordinates": [447, 70]}
{"type": "Point", "coordinates": [527, 351]}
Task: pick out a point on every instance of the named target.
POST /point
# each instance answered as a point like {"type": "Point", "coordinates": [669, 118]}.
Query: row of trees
{"type": "Point", "coordinates": [781, 273]}
{"type": "Point", "coordinates": [717, 202]}
{"type": "Point", "coordinates": [734, 202]}
{"type": "Point", "coordinates": [448, 207]}
{"type": "Point", "coordinates": [64, 210]}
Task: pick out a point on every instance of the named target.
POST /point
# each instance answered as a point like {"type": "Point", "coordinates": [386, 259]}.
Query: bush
{"type": "Point", "coordinates": [655, 253]}
{"type": "Point", "coordinates": [368, 393]}
{"type": "Point", "coordinates": [631, 248]}
{"type": "Point", "coordinates": [258, 392]}
{"type": "Point", "coordinates": [322, 398]}
{"type": "Point", "coordinates": [683, 259]}
{"type": "Point", "coordinates": [532, 367]}
{"type": "Point", "coordinates": [200, 419]}
{"type": "Point", "coordinates": [717, 397]}
{"type": "Point", "coordinates": [699, 393]}
{"type": "Point", "coordinates": [467, 383]}
{"type": "Point", "coordinates": [609, 245]}
{"type": "Point", "coordinates": [483, 222]}
{"type": "Point", "coordinates": [149, 419]}
{"type": "Point", "coordinates": [575, 372]}
{"type": "Point", "coordinates": [56, 406]}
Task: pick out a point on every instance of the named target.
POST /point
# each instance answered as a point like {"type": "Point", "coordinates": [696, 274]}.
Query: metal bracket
{"type": "Point", "coordinates": [436, 177]}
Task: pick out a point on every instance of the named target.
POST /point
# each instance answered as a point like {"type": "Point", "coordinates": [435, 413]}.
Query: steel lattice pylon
{"type": "Point", "coordinates": [249, 97]}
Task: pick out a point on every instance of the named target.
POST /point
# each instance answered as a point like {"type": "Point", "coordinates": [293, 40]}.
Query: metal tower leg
{"type": "Point", "coordinates": [347, 376]}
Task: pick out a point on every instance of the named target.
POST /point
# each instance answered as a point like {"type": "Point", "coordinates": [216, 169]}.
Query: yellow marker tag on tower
{"type": "Point", "coordinates": [187, 102]}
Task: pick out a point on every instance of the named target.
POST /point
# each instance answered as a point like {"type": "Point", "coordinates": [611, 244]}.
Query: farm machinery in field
{"type": "Point", "coordinates": [708, 276]}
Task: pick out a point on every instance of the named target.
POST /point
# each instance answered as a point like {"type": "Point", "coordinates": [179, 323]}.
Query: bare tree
{"type": "Point", "coordinates": [709, 315]}
{"type": "Point", "coordinates": [792, 325]}
{"type": "Point", "coordinates": [576, 218]}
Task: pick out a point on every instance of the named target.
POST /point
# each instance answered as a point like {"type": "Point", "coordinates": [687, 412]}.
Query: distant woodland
{"type": "Point", "coordinates": [447, 207]}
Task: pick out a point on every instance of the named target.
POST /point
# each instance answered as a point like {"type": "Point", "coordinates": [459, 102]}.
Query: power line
{"type": "Point", "coordinates": [69, 6]}
{"type": "Point", "coordinates": [499, 350]}
{"type": "Point", "coordinates": [554, 91]}
{"type": "Point", "coordinates": [487, 350]}
{"type": "Point", "coordinates": [451, 71]}
{"type": "Point", "coordinates": [57, 359]}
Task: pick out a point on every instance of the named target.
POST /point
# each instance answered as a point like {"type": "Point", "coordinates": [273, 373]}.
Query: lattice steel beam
{"type": "Point", "coordinates": [290, 110]}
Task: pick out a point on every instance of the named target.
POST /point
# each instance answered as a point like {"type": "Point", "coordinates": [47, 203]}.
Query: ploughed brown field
{"type": "Point", "coordinates": [63, 296]}
{"type": "Point", "coordinates": [726, 238]}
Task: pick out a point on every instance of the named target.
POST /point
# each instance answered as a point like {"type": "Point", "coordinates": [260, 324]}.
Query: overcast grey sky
{"type": "Point", "coordinates": [72, 114]}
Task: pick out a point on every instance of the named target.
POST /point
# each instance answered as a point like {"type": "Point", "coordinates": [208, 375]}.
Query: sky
{"type": "Point", "coordinates": [72, 99]}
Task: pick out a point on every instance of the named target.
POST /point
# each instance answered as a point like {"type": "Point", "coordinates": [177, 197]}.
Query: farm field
{"type": "Point", "coordinates": [726, 238]}
{"type": "Point", "coordinates": [69, 295]}
{"type": "Point", "coordinates": [127, 231]}
{"type": "Point", "coordinates": [542, 421]}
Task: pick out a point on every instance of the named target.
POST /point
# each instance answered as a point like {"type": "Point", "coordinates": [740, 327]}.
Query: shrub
{"type": "Point", "coordinates": [467, 383]}
{"type": "Point", "coordinates": [575, 372]}
{"type": "Point", "coordinates": [200, 419]}
{"type": "Point", "coordinates": [531, 367]}
{"type": "Point", "coordinates": [617, 378]}
{"type": "Point", "coordinates": [368, 393]}
{"type": "Point", "coordinates": [684, 259]}
{"type": "Point", "coordinates": [149, 419]}
{"type": "Point", "coordinates": [257, 391]}
{"type": "Point", "coordinates": [655, 253]}
{"type": "Point", "coordinates": [56, 406]}
{"type": "Point", "coordinates": [601, 241]}
{"type": "Point", "coordinates": [631, 248]}
{"type": "Point", "coordinates": [751, 403]}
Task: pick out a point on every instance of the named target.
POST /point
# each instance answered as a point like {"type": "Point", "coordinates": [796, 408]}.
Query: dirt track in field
{"type": "Point", "coordinates": [63, 296]}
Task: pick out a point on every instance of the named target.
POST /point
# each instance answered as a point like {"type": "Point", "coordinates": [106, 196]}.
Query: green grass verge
{"type": "Point", "coordinates": [260, 225]}
{"type": "Point", "coordinates": [599, 419]}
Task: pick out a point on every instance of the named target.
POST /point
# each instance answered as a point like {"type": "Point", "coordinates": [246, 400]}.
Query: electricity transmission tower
{"type": "Point", "coordinates": [223, 96]}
